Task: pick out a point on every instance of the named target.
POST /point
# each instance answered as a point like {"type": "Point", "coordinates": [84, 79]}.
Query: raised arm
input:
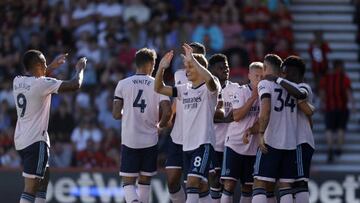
{"type": "Point", "coordinates": [160, 86]}
{"type": "Point", "coordinates": [57, 62]}
{"type": "Point", "coordinates": [290, 87]}
{"type": "Point", "coordinates": [211, 82]}
{"type": "Point", "coordinates": [76, 82]}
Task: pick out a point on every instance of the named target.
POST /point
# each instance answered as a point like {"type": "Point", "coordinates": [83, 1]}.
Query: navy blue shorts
{"type": "Point", "coordinates": [237, 166]}
{"type": "Point", "coordinates": [197, 162]}
{"type": "Point", "coordinates": [276, 164]}
{"type": "Point", "coordinates": [304, 153]}
{"type": "Point", "coordinates": [35, 159]}
{"type": "Point", "coordinates": [174, 156]}
{"type": "Point", "coordinates": [216, 163]}
{"type": "Point", "coordinates": [138, 161]}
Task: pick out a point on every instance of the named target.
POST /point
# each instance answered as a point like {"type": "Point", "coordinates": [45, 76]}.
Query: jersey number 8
{"type": "Point", "coordinates": [197, 161]}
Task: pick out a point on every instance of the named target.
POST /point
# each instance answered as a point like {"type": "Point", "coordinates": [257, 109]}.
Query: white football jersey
{"type": "Point", "coordinates": [281, 130]}
{"type": "Point", "coordinates": [227, 95]}
{"type": "Point", "coordinates": [33, 98]}
{"type": "Point", "coordinates": [176, 132]}
{"type": "Point", "coordinates": [236, 130]}
{"type": "Point", "coordinates": [140, 111]}
{"type": "Point", "coordinates": [199, 106]}
{"type": "Point", "coordinates": [305, 134]}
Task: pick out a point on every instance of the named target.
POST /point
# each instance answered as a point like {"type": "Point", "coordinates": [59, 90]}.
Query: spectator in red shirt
{"type": "Point", "coordinates": [318, 51]}
{"type": "Point", "coordinates": [335, 93]}
{"type": "Point", "coordinates": [90, 157]}
{"type": "Point", "coordinates": [256, 19]}
{"type": "Point", "coordinates": [126, 54]}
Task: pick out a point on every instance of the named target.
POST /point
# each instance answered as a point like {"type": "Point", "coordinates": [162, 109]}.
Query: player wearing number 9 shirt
{"type": "Point", "coordinates": [32, 94]}
{"type": "Point", "coordinates": [135, 96]}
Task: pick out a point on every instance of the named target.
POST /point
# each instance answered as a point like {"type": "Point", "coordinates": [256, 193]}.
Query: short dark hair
{"type": "Point", "coordinates": [31, 58]}
{"type": "Point", "coordinates": [296, 62]}
{"type": "Point", "coordinates": [216, 58]}
{"type": "Point", "coordinates": [144, 56]}
{"type": "Point", "coordinates": [201, 59]}
{"type": "Point", "coordinates": [198, 48]}
{"type": "Point", "coordinates": [275, 62]}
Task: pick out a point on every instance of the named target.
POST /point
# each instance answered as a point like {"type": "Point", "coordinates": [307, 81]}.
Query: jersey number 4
{"type": "Point", "coordinates": [21, 103]}
{"type": "Point", "coordinates": [140, 103]}
{"type": "Point", "coordinates": [289, 102]}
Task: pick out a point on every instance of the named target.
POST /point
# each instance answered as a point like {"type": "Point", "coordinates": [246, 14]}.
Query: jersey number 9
{"type": "Point", "coordinates": [21, 103]}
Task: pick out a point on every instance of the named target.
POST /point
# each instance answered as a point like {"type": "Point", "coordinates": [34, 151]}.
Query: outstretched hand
{"type": "Point", "coordinates": [166, 60]}
{"type": "Point", "coordinates": [59, 60]}
{"type": "Point", "coordinates": [81, 64]}
{"type": "Point", "coordinates": [188, 51]}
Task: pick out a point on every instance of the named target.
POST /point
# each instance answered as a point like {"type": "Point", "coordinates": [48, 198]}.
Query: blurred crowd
{"type": "Point", "coordinates": [108, 32]}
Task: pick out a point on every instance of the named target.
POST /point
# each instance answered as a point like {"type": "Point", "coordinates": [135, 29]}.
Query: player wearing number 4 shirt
{"type": "Point", "coordinates": [199, 103]}
{"type": "Point", "coordinates": [137, 104]}
{"type": "Point", "coordinates": [32, 94]}
{"type": "Point", "coordinates": [277, 130]}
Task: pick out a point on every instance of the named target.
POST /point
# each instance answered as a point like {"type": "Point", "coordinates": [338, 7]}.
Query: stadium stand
{"type": "Point", "coordinates": [335, 19]}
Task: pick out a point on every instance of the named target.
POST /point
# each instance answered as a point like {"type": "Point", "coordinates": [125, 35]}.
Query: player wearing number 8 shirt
{"type": "Point", "coordinates": [32, 94]}
{"type": "Point", "coordinates": [276, 158]}
{"type": "Point", "coordinates": [199, 103]}
{"type": "Point", "coordinates": [135, 96]}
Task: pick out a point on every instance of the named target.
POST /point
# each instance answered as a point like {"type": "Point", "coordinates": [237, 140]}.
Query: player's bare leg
{"type": "Point", "coordinates": [215, 186]}
{"type": "Point", "coordinates": [144, 188]}
{"type": "Point", "coordinates": [177, 194]}
{"type": "Point", "coordinates": [30, 189]}
{"type": "Point", "coordinates": [130, 189]}
{"type": "Point", "coordinates": [270, 192]}
{"type": "Point", "coordinates": [301, 192]}
{"type": "Point", "coordinates": [285, 192]}
{"type": "Point", "coordinates": [193, 189]}
{"type": "Point", "coordinates": [228, 191]}
{"type": "Point", "coordinates": [259, 191]}
{"type": "Point", "coordinates": [204, 194]}
{"type": "Point", "coordinates": [40, 196]}
{"type": "Point", "coordinates": [246, 193]}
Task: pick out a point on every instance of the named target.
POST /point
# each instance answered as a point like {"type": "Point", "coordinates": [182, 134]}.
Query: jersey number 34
{"type": "Point", "coordinates": [289, 102]}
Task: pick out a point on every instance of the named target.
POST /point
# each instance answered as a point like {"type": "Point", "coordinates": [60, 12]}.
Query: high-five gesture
{"type": "Point", "coordinates": [160, 86]}
{"type": "Point", "coordinates": [56, 63]}
{"type": "Point", "coordinates": [81, 64]}
{"type": "Point", "coordinates": [166, 60]}
{"type": "Point", "coordinates": [187, 56]}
